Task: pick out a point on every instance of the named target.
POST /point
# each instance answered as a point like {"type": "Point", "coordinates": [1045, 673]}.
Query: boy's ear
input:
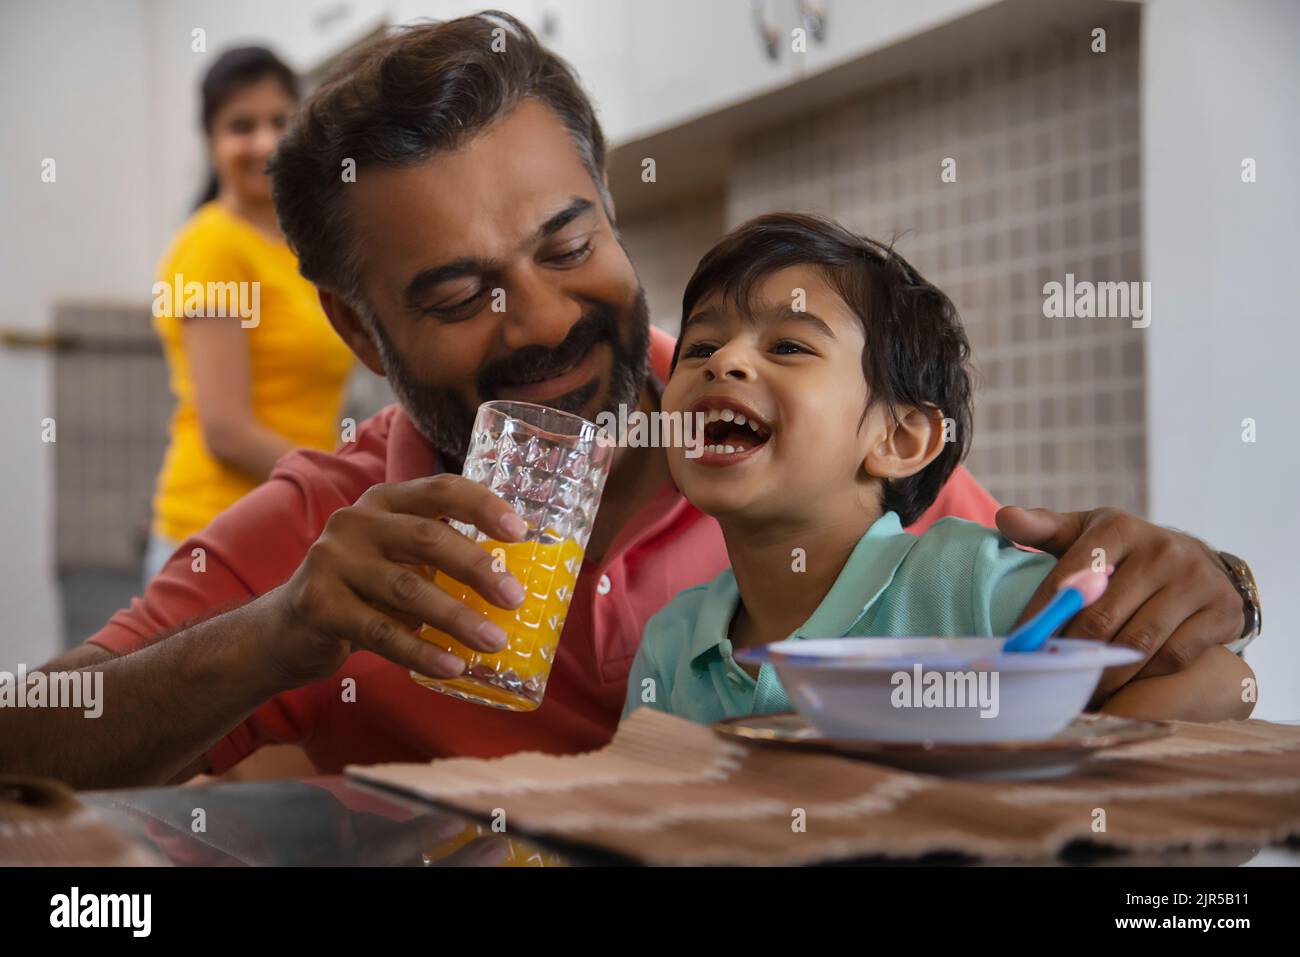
{"type": "Point", "coordinates": [908, 443]}
{"type": "Point", "coordinates": [352, 329]}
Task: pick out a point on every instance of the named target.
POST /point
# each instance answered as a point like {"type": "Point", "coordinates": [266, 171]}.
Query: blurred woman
{"type": "Point", "coordinates": [248, 388]}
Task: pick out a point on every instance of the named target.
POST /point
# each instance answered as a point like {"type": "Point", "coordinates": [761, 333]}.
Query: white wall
{"type": "Point", "coordinates": [73, 88]}
{"type": "Point", "coordinates": [1219, 84]}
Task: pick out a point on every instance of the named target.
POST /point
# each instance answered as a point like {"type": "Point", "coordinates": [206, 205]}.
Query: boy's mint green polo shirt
{"type": "Point", "coordinates": [958, 579]}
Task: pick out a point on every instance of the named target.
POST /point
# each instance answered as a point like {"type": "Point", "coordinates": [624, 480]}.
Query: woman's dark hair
{"type": "Point", "coordinates": [425, 89]}
{"type": "Point", "coordinates": [916, 351]}
{"type": "Point", "coordinates": [232, 71]}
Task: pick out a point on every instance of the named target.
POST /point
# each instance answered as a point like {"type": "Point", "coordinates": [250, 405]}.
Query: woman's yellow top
{"type": "Point", "coordinates": [298, 364]}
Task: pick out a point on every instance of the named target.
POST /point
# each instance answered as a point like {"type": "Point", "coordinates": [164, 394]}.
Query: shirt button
{"type": "Point", "coordinates": [604, 585]}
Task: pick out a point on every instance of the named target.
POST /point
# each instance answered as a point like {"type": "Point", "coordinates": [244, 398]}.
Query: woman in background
{"type": "Point", "coordinates": [250, 389]}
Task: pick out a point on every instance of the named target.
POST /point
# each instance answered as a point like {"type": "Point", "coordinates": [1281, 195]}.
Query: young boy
{"type": "Point", "coordinates": [838, 402]}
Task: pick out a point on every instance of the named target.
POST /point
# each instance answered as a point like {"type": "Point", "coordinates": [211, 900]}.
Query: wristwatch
{"type": "Point", "coordinates": [1242, 578]}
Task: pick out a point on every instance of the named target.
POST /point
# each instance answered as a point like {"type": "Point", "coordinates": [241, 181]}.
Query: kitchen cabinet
{"type": "Point", "coordinates": [649, 66]}
{"type": "Point", "coordinates": [856, 28]}
{"type": "Point", "coordinates": [688, 59]}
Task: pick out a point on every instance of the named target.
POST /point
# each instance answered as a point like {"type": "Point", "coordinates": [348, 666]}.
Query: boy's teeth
{"type": "Point", "coordinates": [728, 415]}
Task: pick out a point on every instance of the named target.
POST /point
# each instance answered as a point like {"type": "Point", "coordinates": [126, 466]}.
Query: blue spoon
{"type": "Point", "coordinates": [1076, 593]}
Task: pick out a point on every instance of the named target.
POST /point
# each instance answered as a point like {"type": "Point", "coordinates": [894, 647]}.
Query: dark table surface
{"type": "Point", "coordinates": [336, 821]}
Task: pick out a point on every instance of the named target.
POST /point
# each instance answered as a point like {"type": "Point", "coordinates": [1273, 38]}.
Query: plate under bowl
{"type": "Point", "coordinates": [1085, 736]}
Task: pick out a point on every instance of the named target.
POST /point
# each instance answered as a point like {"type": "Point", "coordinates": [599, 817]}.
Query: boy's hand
{"type": "Point", "coordinates": [1170, 597]}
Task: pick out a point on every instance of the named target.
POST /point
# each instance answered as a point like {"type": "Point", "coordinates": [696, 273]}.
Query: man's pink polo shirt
{"type": "Point", "coordinates": [257, 543]}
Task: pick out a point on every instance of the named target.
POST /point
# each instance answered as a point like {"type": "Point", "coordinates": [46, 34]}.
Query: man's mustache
{"type": "Point", "coordinates": [535, 363]}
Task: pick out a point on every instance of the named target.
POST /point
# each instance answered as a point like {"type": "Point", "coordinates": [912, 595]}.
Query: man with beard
{"type": "Point", "coordinates": [474, 257]}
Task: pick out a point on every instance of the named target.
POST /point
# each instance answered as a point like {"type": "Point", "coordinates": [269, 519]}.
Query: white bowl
{"type": "Point", "coordinates": [938, 689]}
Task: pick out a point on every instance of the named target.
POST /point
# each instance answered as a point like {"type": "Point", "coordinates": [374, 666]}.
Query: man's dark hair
{"type": "Point", "coordinates": [916, 351]}
{"type": "Point", "coordinates": [398, 100]}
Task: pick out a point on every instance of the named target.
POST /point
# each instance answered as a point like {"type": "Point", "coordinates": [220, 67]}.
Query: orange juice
{"type": "Point", "coordinates": [514, 679]}
{"type": "Point", "coordinates": [518, 853]}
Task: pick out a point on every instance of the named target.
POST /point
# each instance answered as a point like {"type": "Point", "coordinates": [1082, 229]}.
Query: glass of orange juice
{"type": "Point", "coordinates": [551, 467]}
{"type": "Point", "coordinates": [513, 853]}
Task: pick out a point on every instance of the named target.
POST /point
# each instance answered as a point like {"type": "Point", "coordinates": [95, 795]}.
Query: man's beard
{"type": "Point", "coordinates": [443, 417]}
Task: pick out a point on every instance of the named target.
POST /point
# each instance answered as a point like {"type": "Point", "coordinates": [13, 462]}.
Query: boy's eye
{"type": "Point", "coordinates": [786, 347]}
{"type": "Point", "coordinates": [702, 350]}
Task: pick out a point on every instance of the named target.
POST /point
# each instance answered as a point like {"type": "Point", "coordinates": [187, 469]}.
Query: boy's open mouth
{"type": "Point", "coordinates": [729, 429]}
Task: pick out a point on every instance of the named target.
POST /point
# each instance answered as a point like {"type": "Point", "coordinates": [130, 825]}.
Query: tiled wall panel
{"type": "Point", "coordinates": [1047, 159]}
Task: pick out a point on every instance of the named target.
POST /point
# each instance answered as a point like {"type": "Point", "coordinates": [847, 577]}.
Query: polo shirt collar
{"type": "Point", "coordinates": [721, 598]}
{"type": "Point", "coordinates": [870, 568]}
{"type": "Point", "coordinates": [409, 453]}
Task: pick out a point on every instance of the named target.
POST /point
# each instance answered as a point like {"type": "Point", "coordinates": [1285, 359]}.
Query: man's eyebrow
{"type": "Point", "coordinates": [577, 206]}
{"type": "Point", "coordinates": [763, 315]}
{"type": "Point", "coordinates": [427, 279]}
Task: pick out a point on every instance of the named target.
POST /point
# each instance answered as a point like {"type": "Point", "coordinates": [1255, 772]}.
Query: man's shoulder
{"type": "Point", "coordinates": [271, 527]}
{"type": "Point", "coordinates": [344, 474]}
{"type": "Point", "coordinates": [255, 544]}
{"type": "Point", "coordinates": [960, 497]}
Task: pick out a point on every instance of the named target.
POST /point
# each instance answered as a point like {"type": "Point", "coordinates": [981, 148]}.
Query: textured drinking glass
{"type": "Point", "coordinates": [516, 853]}
{"type": "Point", "coordinates": [550, 466]}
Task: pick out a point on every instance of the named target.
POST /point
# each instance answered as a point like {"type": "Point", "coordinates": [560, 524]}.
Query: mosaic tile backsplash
{"type": "Point", "coordinates": [1045, 141]}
